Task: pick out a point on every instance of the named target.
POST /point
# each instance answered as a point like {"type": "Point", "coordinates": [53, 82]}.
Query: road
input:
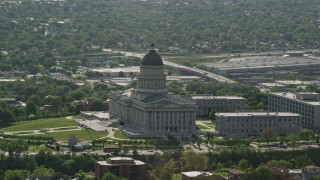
{"type": "Point", "coordinates": [196, 71]}
{"type": "Point", "coordinates": [200, 72]}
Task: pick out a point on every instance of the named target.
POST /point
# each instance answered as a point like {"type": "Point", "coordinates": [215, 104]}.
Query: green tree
{"type": "Point", "coordinates": [6, 117]}
{"type": "Point", "coordinates": [165, 172]}
{"type": "Point", "coordinates": [303, 161]}
{"type": "Point", "coordinates": [316, 178]}
{"type": "Point", "coordinates": [31, 108]}
{"type": "Point", "coordinates": [212, 113]}
{"type": "Point", "coordinates": [306, 134]}
{"type": "Point", "coordinates": [243, 165]}
{"type": "Point", "coordinates": [280, 164]}
{"type": "Point", "coordinates": [36, 99]}
{"type": "Point", "coordinates": [97, 105]}
{"type": "Point", "coordinates": [293, 140]}
{"type": "Point", "coordinates": [110, 176]}
{"type": "Point", "coordinates": [14, 147]}
{"type": "Point", "coordinates": [175, 88]}
{"type": "Point", "coordinates": [16, 174]}
{"type": "Point", "coordinates": [42, 171]}
{"type": "Point", "coordinates": [194, 161]}
{"type": "Point", "coordinates": [268, 135]}
{"type": "Point", "coordinates": [262, 172]}
{"type": "Point", "coordinates": [84, 175]}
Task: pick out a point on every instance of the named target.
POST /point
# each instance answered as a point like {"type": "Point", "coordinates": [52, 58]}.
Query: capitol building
{"type": "Point", "coordinates": [150, 110]}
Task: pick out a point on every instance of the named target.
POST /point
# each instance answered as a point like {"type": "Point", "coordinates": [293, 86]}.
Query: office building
{"type": "Point", "coordinates": [219, 103]}
{"type": "Point", "coordinates": [244, 124]}
{"type": "Point", "coordinates": [305, 104]}
{"type": "Point", "coordinates": [122, 167]}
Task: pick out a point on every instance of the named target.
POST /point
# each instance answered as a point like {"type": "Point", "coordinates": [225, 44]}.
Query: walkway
{"type": "Point", "coordinates": [45, 130]}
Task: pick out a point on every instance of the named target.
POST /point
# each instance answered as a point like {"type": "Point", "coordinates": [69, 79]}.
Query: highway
{"type": "Point", "coordinates": [192, 70]}
{"type": "Point", "coordinates": [200, 72]}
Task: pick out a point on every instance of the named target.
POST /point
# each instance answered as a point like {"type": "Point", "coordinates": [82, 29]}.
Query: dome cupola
{"type": "Point", "coordinates": [151, 79]}
{"type": "Point", "coordinates": [152, 58]}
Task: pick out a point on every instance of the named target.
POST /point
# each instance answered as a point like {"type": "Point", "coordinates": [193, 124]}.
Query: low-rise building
{"type": "Point", "coordinates": [111, 148]}
{"type": "Point", "coordinates": [184, 79]}
{"type": "Point", "coordinates": [244, 124]}
{"type": "Point", "coordinates": [12, 102]}
{"type": "Point", "coordinates": [306, 104]}
{"type": "Point", "coordinates": [294, 174]}
{"type": "Point", "coordinates": [9, 101]}
{"type": "Point", "coordinates": [59, 76]}
{"type": "Point", "coordinates": [12, 73]}
{"type": "Point", "coordinates": [118, 81]}
{"type": "Point", "coordinates": [193, 174]}
{"type": "Point", "coordinates": [12, 80]}
{"type": "Point", "coordinates": [235, 174]}
{"type": "Point", "coordinates": [121, 166]}
{"type": "Point", "coordinates": [118, 72]}
{"type": "Point", "coordinates": [220, 103]}
{"type": "Point", "coordinates": [294, 82]}
{"type": "Point", "coordinates": [309, 172]}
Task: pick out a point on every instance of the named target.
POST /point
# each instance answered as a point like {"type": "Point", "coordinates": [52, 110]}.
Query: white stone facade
{"type": "Point", "coordinates": [220, 103]}
{"type": "Point", "coordinates": [245, 124]}
{"type": "Point", "coordinates": [150, 110]}
{"type": "Point", "coordinates": [305, 104]}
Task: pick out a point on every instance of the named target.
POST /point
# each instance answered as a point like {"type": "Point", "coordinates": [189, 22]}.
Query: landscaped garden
{"type": "Point", "coordinates": [82, 135]}
{"type": "Point", "coordinates": [118, 134]}
{"type": "Point", "coordinates": [210, 124]}
{"type": "Point", "coordinates": [199, 126]}
{"type": "Point", "coordinates": [40, 124]}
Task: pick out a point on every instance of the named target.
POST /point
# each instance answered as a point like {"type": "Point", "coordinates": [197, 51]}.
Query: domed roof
{"type": "Point", "coordinates": [152, 58]}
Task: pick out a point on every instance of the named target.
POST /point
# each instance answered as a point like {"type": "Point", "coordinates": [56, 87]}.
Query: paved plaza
{"type": "Point", "coordinates": [96, 125]}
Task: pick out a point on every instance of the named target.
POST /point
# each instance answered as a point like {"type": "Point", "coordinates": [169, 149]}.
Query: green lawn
{"type": "Point", "coordinates": [194, 61]}
{"type": "Point", "coordinates": [83, 135]}
{"type": "Point", "coordinates": [40, 124]}
{"type": "Point", "coordinates": [199, 126]}
{"type": "Point", "coordinates": [118, 134]}
{"type": "Point", "coordinates": [222, 172]}
{"type": "Point", "coordinates": [78, 117]}
{"type": "Point", "coordinates": [210, 124]}
{"type": "Point", "coordinates": [177, 176]}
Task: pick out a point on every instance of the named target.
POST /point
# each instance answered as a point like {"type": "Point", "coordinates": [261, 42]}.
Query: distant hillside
{"type": "Point", "coordinates": [183, 25]}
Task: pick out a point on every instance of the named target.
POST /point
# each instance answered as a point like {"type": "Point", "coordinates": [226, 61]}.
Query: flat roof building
{"type": "Point", "coordinates": [116, 72]}
{"type": "Point", "coordinates": [295, 82]}
{"type": "Point", "coordinates": [193, 174]}
{"type": "Point", "coordinates": [12, 102]}
{"type": "Point", "coordinates": [122, 167]}
{"type": "Point", "coordinates": [244, 124]}
{"type": "Point", "coordinates": [205, 103]}
{"type": "Point", "coordinates": [184, 79]}
{"type": "Point", "coordinates": [235, 174]}
{"type": "Point", "coordinates": [263, 63]}
{"type": "Point", "coordinates": [120, 81]}
{"type": "Point", "coordinates": [306, 104]}
{"type": "Point", "coordinates": [309, 172]}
